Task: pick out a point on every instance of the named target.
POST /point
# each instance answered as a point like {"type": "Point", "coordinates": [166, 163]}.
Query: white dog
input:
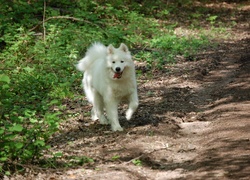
{"type": "Point", "coordinates": [109, 78]}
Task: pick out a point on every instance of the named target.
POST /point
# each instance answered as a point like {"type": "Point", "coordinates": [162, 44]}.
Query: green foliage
{"type": "Point", "coordinates": [38, 53]}
{"type": "Point", "coordinates": [212, 19]}
{"type": "Point", "coordinates": [115, 158]}
{"type": "Point", "coordinates": [68, 161]}
{"type": "Point", "coordinates": [175, 45]}
{"type": "Point", "coordinates": [165, 47]}
{"type": "Point", "coordinates": [137, 162]}
{"type": "Point", "coordinates": [75, 160]}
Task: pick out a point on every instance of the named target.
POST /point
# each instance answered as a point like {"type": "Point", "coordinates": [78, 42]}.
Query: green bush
{"type": "Point", "coordinates": [26, 122]}
{"type": "Point", "coordinates": [172, 45]}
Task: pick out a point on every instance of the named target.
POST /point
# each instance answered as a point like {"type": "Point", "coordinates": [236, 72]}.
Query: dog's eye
{"type": "Point", "coordinates": [122, 61]}
{"type": "Point", "coordinates": [113, 62]}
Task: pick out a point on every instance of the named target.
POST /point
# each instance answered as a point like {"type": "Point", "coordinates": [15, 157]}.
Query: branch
{"type": "Point", "coordinates": [44, 16]}
{"type": "Point", "coordinates": [62, 17]}
{"type": "Point", "coordinates": [5, 69]}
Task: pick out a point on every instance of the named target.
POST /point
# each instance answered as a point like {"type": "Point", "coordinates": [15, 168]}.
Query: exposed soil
{"type": "Point", "coordinates": [193, 123]}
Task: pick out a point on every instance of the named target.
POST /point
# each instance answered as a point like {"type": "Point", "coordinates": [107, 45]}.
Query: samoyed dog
{"type": "Point", "coordinates": [109, 78]}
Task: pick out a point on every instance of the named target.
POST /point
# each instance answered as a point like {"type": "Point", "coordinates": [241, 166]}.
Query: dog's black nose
{"type": "Point", "coordinates": [118, 69]}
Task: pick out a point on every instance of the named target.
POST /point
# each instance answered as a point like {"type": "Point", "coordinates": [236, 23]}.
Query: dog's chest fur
{"type": "Point", "coordinates": [121, 90]}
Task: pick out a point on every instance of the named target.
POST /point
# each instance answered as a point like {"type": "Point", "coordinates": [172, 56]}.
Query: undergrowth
{"type": "Point", "coordinates": [40, 43]}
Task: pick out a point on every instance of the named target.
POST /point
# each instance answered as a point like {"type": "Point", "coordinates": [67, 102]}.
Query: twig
{"type": "Point", "coordinates": [63, 17]}
{"type": "Point", "coordinates": [6, 69]}
{"type": "Point", "coordinates": [34, 167]}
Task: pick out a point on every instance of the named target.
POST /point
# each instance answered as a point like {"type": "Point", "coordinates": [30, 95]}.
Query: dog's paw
{"type": "Point", "coordinates": [94, 117]}
{"type": "Point", "coordinates": [116, 128]}
{"type": "Point", "coordinates": [129, 114]}
{"type": "Point", "coordinates": [103, 120]}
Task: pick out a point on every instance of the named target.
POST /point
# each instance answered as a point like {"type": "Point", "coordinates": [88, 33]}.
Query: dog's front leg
{"type": "Point", "coordinates": [97, 111]}
{"type": "Point", "coordinates": [112, 113]}
{"type": "Point", "coordinates": [133, 104]}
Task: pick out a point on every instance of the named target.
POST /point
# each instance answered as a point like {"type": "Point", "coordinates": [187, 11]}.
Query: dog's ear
{"type": "Point", "coordinates": [111, 49]}
{"type": "Point", "coordinates": [123, 47]}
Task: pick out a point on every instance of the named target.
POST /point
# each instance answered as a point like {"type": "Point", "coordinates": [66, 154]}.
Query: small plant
{"type": "Point", "coordinates": [75, 160]}
{"type": "Point", "coordinates": [212, 19]}
{"type": "Point", "coordinates": [115, 158]}
{"type": "Point", "coordinates": [137, 162]}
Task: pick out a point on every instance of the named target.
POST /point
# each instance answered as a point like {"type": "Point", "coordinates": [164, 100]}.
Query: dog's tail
{"type": "Point", "coordinates": [95, 52]}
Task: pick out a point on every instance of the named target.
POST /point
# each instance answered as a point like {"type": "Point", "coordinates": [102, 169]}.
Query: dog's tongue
{"type": "Point", "coordinates": [117, 75]}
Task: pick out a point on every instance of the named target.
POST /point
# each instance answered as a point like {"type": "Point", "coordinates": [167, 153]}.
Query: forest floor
{"type": "Point", "coordinates": [193, 122]}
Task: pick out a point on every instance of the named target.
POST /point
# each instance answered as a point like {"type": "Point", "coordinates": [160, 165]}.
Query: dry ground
{"type": "Point", "coordinates": [193, 123]}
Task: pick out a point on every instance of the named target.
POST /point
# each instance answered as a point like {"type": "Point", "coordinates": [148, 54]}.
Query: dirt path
{"type": "Point", "coordinates": [224, 142]}
{"type": "Point", "coordinates": [193, 123]}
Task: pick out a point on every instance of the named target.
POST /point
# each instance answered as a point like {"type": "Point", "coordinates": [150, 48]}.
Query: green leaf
{"type": "Point", "coordinates": [29, 113]}
{"type": "Point", "coordinates": [18, 145]}
{"type": "Point", "coordinates": [53, 102]}
{"type": "Point", "coordinates": [28, 153]}
{"type": "Point", "coordinates": [137, 162]}
{"type": "Point", "coordinates": [7, 173]}
{"type": "Point", "coordinates": [212, 18]}
{"type": "Point", "coordinates": [10, 137]}
{"type": "Point", "coordinates": [58, 154]}
{"type": "Point", "coordinates": [3, 159]}
{"type": "Point", "coordinates": [32, 120]}
{"type": "Point", "coordinates": [17, 128]}
{"type": "Point", "coordinates": [39, 142]}
{"type": "Point", "coordinates": [1, 131]}
{"type": "Point", "coordinates": [48, 147]}
{"type": "Point", "coordinates": [4, 78]}
{"type": "Point", "coordinates": [116, 157]}
{"type": "Point", "coordinates": [29, 69]}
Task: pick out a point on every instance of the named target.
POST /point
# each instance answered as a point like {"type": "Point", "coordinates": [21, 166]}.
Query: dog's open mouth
{"type": "Point", "coordinates": [117, 75]}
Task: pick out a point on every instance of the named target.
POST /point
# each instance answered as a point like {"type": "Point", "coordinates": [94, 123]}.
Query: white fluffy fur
{"type": "Point", "coordinates": [109, 77]}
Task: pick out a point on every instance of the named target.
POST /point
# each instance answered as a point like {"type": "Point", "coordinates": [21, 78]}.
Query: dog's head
{"type": "Point", "coordinates": [119, 60]}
